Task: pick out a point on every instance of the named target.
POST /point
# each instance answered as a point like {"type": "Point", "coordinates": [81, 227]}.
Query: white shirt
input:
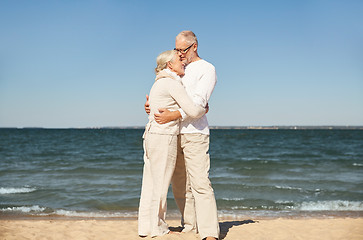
{"type": "Point", "coordinates": [199, 81]}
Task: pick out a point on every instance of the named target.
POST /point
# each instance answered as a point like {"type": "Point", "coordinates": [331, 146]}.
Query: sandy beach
{"type": "Point", "coordinates": [279, 229]}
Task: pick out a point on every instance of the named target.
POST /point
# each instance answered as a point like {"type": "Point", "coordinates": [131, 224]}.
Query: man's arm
{"type": "Point", "coordinates": [165, 116]}
{"type": "Point", "coordinates": [205, 86]}
{"type": "Point", "coordinates": [147, 105]}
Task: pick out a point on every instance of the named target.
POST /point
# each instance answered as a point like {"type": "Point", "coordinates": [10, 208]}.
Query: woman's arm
{"type": "Point", "coordinates": [179, 94]}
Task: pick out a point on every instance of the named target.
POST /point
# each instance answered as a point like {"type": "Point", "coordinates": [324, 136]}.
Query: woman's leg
{"type": "Point", "coordinates": [162, 155]}
{"type": "Point", "coordinates": [145, 198]}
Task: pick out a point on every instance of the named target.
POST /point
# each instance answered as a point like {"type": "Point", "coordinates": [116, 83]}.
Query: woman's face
{"type": "Point", "coordinates": [177, 66]}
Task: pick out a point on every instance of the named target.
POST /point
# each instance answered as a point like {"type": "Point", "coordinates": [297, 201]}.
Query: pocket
{"type": "Point", "coordinates": [145, 145]}
{"type": "Point", "coordinates": [172, 138]}
{"type": "Point", "coordinates": [197, 138]}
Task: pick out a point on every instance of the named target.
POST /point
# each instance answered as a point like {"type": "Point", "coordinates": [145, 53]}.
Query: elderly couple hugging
{"type": "Point", "coordinates": [176, 143]}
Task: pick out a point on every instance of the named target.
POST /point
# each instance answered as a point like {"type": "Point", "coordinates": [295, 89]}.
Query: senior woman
{"type": "Point", "coordinates": [160, 143]}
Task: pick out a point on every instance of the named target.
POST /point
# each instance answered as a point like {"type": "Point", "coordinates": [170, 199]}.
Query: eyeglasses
{"type": "Point", "coordinates": [183, 50]}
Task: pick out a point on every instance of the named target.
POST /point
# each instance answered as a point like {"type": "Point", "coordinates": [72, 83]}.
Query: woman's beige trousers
{"type": "Point", "coordinates": [159, 163]}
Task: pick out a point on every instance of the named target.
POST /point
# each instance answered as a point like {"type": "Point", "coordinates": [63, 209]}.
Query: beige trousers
{"type": "Point", "coordinates": [192, 188]}
{"type": "Point", "coordinates": [159, 164]}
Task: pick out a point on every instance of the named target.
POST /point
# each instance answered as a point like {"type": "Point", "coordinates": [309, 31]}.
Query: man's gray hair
{"type": "Point", "coordinates": [188, 36]}
{"type": "Point", "coordinates": [163, 59]}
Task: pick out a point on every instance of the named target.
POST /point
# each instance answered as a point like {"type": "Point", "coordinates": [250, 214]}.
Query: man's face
{"type": "Point", "coordinates": [185, 50]}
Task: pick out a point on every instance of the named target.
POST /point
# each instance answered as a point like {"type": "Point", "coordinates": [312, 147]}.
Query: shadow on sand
{"type": "Point", "coordinates": [225, 226]}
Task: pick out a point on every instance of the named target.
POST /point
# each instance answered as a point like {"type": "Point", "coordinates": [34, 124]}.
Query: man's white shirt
{"type": "Point", "coordinates": [199, 81]}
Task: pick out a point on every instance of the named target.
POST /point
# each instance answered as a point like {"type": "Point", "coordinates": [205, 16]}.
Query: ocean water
{"type": "Point", "coordinates": [97, 172]}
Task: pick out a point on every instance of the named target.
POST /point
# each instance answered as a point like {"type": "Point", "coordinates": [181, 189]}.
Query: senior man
{"type": "Point", "coordinates": [192, 188]}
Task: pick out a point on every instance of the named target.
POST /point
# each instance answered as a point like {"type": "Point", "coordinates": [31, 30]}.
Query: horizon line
{"type": "Point", "coordinates": [213, 127]}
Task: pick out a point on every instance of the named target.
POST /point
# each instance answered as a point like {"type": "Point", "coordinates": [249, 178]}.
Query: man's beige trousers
{"type": "Point", "coordinates": [192, 188]}
{"type": "Point", "coordinates": [159, 164]}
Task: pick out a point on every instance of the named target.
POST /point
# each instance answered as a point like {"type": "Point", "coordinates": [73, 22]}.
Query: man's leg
{"type": "Point", "coordinates": [182, 192]}
{"type": "Point", "coordinates": [197, 162]}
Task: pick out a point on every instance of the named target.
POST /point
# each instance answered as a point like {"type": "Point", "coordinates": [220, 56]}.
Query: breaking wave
{"type": "Point", "coordinates": [16, 190]}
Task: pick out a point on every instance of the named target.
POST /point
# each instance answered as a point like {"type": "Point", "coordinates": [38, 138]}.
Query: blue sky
{"type": "Point", "coordinates": [90, 63]}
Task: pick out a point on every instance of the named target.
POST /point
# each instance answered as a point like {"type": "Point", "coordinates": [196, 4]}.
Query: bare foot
{"type": "Point", "coordinates": [210, 238]}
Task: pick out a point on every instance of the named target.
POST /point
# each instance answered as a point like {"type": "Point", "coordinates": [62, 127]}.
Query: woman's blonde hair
{"type": "Point", "coordinates": [163, 59]}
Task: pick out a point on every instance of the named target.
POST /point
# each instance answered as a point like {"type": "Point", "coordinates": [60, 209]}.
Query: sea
{"type": "Point", "coordinates": [255, 173]}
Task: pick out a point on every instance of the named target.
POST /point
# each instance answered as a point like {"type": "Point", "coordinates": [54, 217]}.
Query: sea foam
{"type": "Point", "coordinates": [338, 205]}
{"type": "Point", "coordinates": [16, 190]}
{"type": "Point", "coordinates": [37, 210]}
{"type": "Point", "coordinates": [24, 209]}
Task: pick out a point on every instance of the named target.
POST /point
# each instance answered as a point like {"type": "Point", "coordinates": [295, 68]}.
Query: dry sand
{"type": "Point", "coordinates": [269, 229]}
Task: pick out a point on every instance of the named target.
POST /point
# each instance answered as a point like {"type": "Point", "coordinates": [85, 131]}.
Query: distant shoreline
{"type": "Point", "coordinates": [277, 127]}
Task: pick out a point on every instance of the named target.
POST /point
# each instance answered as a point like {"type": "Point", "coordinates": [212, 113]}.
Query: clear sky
{"type": "Point", "coordinates": [90, 63]}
